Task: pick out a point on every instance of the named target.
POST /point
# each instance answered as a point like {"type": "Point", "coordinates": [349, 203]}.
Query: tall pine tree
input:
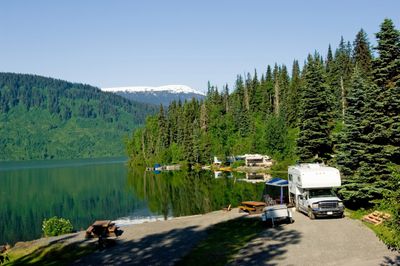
{"type": "Point", "coordinates": [314, 141]}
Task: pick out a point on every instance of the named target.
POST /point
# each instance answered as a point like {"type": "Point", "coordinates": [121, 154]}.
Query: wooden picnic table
{"type": "Point", "coordinates": [103, 229]}
{"type": "Point", "coordinates": [252, 207]}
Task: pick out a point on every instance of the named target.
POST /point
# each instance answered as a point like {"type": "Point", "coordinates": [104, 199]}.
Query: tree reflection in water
{"type": "Point", "coordinates": [181, 193]}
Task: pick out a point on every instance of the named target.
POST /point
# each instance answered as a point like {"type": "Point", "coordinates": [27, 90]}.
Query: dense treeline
{"type": "Point", "coordinates": [42, 118]}
{"type": "Point", "coordinates": [342, 109]}
{"type": "Point", "coordinates": [251, 119]}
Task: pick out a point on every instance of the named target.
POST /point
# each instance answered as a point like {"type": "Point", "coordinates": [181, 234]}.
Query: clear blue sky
{"type": "Point", "coordinates": [121, 43]}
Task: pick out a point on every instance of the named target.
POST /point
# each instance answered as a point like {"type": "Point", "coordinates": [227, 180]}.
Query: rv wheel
{"type": "Point", "coordinates": [311, 214]}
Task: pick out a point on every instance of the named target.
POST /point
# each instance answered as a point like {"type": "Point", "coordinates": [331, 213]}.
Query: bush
{"type": "Point", "coordinates": [56, 226]}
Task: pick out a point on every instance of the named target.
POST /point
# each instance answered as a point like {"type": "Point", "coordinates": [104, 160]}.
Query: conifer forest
{"type": "Point", "coordinates": [342, 109]}
{"type": "Point", "coordinates": [45, 118]}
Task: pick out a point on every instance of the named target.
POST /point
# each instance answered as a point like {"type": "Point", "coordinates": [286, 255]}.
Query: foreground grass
{"type": "Point", "coordinates": [52, 254]}
{"type": "Point", "coordinates": [223, 242]}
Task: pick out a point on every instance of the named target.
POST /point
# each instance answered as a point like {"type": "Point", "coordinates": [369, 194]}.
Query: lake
{"type": "Point", "coordinates": [97, 189]}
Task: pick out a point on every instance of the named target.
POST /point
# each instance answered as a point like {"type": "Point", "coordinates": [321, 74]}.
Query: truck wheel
{"type": "Point", "coordinates": [268, 223]}
{"type": "Point", "coordinates": [311, 214]}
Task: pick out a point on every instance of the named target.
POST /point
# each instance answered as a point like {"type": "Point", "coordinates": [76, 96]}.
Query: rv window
{"type": "Point", "coordinates": [299, 179]}
{"type": "Point", "coordinates": [290, 177]}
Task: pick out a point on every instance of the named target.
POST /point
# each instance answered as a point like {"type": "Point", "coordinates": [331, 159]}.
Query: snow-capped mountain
{"type": "Point", "coordinates": [157, 95]}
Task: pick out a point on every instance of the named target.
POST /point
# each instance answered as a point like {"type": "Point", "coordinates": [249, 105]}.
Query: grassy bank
{"type": "Point", "coordinates": [54, 253]}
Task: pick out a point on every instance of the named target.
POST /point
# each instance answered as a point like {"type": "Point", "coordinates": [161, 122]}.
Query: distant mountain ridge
{"type": "Point", "coordinates": [46, 118]}
{"type": "Point", "coordinates": [157, 95]}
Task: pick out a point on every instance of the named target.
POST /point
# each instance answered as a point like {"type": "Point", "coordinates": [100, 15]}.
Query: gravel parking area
{"type": "Point", "coordinates": [317, 242]}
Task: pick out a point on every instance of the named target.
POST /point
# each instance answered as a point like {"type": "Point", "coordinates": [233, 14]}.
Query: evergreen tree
{"type": "Point", "coordinates": [387, 65]}
{"type": "Point", "coordinates": [163, 129]}
{"type": "Point", "coordinates": [383, 124]}
{"type": "Point", "coordinates": [351, 147]}
{"type": "Point", "coordinates": [329, 60]}
{"type": "Point", "coordinates": [314, 139]}
{"type": "Point", "coordinates": [284, 81]}
{"type": "Point", "coordinates": [339, 77]}
{"type": "Point", "coordinates": [357, 189]}
{"type": "Point", "coordinates": [277, 91]}
{"type": "Point", "coordinates": [362, 55]}
{"type": "Point", "coordinates": [292, 107]}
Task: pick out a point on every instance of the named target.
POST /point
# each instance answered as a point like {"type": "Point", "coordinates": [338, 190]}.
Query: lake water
{"type": "Point", "coordinates": [96, 189]}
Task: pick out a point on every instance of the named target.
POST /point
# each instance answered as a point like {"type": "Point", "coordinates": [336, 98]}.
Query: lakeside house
{"type": "Point", "coordinates": [251, 160]}
{"type": "Point", "coordinates": [257, 160]}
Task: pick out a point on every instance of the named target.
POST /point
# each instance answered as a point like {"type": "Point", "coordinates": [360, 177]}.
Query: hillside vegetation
{"type": "Point", "coordinates": [45, 118]}
{"type": "Point", "coordinates": [342, 109]}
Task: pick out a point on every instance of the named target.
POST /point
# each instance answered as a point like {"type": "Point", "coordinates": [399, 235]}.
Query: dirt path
{"type": "Point", "coordinates": [317, 242]}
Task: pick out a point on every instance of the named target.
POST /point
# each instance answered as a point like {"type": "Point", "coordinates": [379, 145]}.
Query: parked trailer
{"type": "Point", "coordinates": [277, 211]}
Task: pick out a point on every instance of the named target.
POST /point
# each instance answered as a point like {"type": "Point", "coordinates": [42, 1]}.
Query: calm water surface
{"type": "Point", "coordinates": [87, 190]}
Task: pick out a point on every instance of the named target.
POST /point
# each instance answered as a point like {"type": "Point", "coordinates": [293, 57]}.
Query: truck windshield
{"type": "Point", "coordinates": [319, 193]}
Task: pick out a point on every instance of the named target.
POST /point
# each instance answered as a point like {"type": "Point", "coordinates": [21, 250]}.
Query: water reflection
{"type": "Point", "coordinates": [81, 193]}
{"type": "Point", "coordinates": [179, 193]}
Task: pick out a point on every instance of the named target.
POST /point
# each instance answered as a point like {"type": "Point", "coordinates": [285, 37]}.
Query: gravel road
{"type": "Point", "coordinates": [305, 242]}
{"type": "Point", "coordinates": [317, 242]}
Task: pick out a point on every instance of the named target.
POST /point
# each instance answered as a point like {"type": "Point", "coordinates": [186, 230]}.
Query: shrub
{"type": "Point", "coordinates": [56, 226]}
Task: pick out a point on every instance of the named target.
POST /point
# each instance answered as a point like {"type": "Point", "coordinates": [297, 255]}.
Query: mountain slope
{"type": "Point", "coordinates": [45, 118]}
{"type": "Point", "coordinates": [157, 95]}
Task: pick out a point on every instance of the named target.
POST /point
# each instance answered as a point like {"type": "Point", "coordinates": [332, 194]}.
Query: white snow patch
{"type": "Point", "coordinates": [166, 88]}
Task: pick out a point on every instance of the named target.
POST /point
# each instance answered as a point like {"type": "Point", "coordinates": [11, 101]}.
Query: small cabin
{"type": "Point", "coordinates": [257, 160]}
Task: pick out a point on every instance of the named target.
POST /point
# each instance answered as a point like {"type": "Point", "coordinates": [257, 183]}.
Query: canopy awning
{"type": "Point", "coordinates": [276, 181]}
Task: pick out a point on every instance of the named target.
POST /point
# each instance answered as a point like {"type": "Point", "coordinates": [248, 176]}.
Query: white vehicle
{"type": "Point", "coordinates": [311, 190]}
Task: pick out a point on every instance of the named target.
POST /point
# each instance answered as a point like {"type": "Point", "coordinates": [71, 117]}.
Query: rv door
{"type": "Point", "coordinates": [302, 198]}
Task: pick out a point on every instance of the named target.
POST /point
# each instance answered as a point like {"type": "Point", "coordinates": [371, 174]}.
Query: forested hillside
{"type": "Point", "coordinates": [342, 109]}
{"type": "Point", "coordinates": [45, 118]}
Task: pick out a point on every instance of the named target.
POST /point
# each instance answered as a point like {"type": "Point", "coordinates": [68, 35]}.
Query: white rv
{"type": "Point", "coordinates": [311, 190]}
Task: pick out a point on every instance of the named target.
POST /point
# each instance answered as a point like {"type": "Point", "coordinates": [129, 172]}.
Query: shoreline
{"type": "Point", "coordinates": [133, 233]}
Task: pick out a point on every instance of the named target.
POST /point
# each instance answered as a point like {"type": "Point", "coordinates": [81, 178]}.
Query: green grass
{"type": "Point", "coordinates": [52, 254]}
{"type": "Point", "coordinates": [223, 242]}
{"type": "Point", "coordinates": [357, 214]}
